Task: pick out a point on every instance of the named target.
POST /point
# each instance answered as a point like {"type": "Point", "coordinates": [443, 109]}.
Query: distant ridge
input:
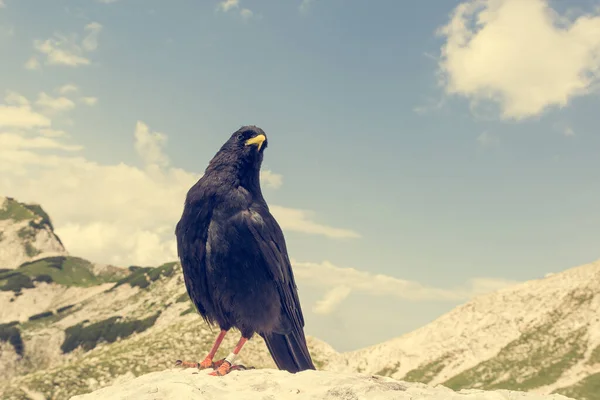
{"type": "Point", "coordinates": [26, 234]}
{"type": "Point", "coordinates": [541, 336]}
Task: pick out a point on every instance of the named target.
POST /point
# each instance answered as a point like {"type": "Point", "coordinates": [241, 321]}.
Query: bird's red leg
{"type": "Point", "coordinates": [226, 365]}
{"type": "Point", "coordinates": [208, 361]}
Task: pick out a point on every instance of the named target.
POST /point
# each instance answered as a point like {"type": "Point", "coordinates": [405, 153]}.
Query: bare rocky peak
{"type": "Point", "coordinates": [26, 234]}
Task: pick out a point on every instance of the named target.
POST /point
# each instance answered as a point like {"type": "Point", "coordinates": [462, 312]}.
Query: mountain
{"type": "Point", "coordinates": [138, 324]}
{"type": "Point", "coordinates": [26, 234]}
{"type": "Point", "coordinates": [541, 336]}
{"type": "Point", "coordinates": [69, 326]}
{"type": "Point", "coordinates": [33, 257]}
{"type": "Point", "coordinates": [272, 384]}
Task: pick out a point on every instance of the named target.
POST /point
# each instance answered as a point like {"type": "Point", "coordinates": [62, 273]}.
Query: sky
{"type": "Point", "coordinates": [420, 153]}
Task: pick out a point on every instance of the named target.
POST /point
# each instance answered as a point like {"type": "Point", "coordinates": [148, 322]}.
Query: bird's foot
{"type": "Point", "coordinates": [207, 363]}
{"type": "Point", "coordinates": [223, 367]}
{"type": "Point", "coordinates": [186, 364]}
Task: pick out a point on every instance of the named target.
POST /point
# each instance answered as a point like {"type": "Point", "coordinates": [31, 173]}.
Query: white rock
{"type": "Point", "coordinates": [267, 384]}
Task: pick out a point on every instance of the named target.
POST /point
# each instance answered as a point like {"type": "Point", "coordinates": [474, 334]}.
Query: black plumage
{"type": "Point", "coordinates": [234, 256]}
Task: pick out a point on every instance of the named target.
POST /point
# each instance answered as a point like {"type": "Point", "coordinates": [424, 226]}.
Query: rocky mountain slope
{"type": "Point", "coordinates": [26, 234]}
{"type": "Point", "coordinates": [272, 384]}
{"type": "Point", "coordinates": [139, 324]}
{"type": "Point", "coordinates": [69, 326]}
{"type": "Point", "coordinates": [541, 336]}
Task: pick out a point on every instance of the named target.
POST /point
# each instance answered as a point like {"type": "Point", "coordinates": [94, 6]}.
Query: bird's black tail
{"type": "Point", "coordinates": [289, 351]}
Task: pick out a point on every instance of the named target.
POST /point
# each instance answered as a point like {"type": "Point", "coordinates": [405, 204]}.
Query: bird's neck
{"type": "Point", "coordinates": [245, 174]}
{"type": "Point", "coordinates": [249, 178]}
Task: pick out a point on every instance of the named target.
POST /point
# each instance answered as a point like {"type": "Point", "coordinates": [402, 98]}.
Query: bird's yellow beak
{"type": "Point", "coordinates": [257, 140]}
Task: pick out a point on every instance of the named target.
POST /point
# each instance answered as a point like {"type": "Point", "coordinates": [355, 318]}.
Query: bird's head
{"type": "Point", "coordinates": [249, 140]}
{"type": "Point", "coordinates": [244, 149]}
{"type": "Point", "coordinates": [248, 143]}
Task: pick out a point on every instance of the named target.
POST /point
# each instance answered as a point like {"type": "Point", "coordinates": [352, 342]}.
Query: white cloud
{"type": "Point", "coordinates": [227, 5]}
{"type": "Point", "coordinates": [32, 64]}
{"type": "Point", "coordinates": [271, 179]}
{"type": "Point", "coordinates": [149, 145]}
{"type": "Point", "coordinates": [13, 141]}
{"type": "Point", "coordinates": [21, 116]}
{"type": "Point", "coordinates": [68, 88]}
{"type": "Point", "coordinates": [112, 213]}
{"type": "Point", "coordinates": [479, 286]}
{"type": "Point", "coordinates": [302, 221]}
{"type": "Point", "coordinates": [53, 133]}
{"type": "Point", "coordinates": [246, 13]}
{"type": "Point", "coordinates": [341, 281]}
{"type": "Point", "coordinates": [487, 139]}
{"type": "Point", "coordinates": [331, 300]}
{"type": "Point", "coordinates": [61, 51]}
{"type": "Point", "coordinates": [90, 101]}
{"type": "Point", "coordinates": [90, 42]}
{"type": "Point", "coordinates": [14, 98]}
{"type": "Point", "coordinates": [2, 4]}
{"type": "Point", "coordinates": [52, 105]}
{"type": "Point", "coordinates": [66, 50]}
{"type": "Point", "coordinates": [521, 55]}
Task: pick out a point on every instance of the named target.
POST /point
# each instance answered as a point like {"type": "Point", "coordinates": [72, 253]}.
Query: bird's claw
{"type": "Point", "coordinates": [186, 364]}
{"type": "Point", "coordinates": [207, 363]}
{"type": "Point", "coordinates": [223, 367]}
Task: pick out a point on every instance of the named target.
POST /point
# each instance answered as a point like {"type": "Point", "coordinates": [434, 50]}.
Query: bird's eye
{"type": "Point", "coordinates": [240, 136]}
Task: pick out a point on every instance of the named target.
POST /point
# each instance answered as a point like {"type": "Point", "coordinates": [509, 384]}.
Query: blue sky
{"type": "Point", "coordinates": [456, 160]}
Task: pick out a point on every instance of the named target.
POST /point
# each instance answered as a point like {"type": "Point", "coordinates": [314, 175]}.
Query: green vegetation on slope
{"type": "Point", "coordinates": [142, 277]}
{"type": "Point", "coordinates": [14, 281]}
{"type": "Point", "coordinates": [586, 389]}
{"type": "Point", "coordinates": [64, 270]}
{"type": "Point", "coordinates": [594, 357]}
{"type": "Point", "coordinates": [12, 209]}
{"type": "Point", "coordinates": [426, 372]}
{"type": "Point", "coordinates": [11, 334]}
{"type": "Point", "coordinates": [41, 315]}
{"type": "Point", "coordinates": [136, 355]}
{"type": "Point", "coordinates": [108, 330]}
{"type": "Point", "coordinates": [187, 311]}
{"type": "Point", "coordinates": [521, 365]}
{"type": "Point", "coordinates": [389, 371]}
{"type": "Point", "coordinates": [65, 308]}
{"type": "Point", "coordinates": [537, 358]}
{"type": "Point", "coordinates": [183, 298]}
{"type": "Point", "coordinates": [38, 211]}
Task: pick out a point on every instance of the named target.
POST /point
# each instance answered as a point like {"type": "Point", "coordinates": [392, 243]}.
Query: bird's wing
{"type": "Point", "coordinates": [287, 343]}
{"type": "Point", "coordinates": [191, 233]}
{"type": "Point", "coordinates": [265, 230]}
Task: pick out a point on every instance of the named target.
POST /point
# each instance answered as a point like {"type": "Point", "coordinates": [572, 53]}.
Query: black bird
{"type": "Point", "coordinates": [234, 258]}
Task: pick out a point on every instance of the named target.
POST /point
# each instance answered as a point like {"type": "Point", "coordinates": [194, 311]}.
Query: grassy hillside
{"type": "Point", "coordinates": [63, 270]}
{"type": "Point", "coordinates": [17, 211]}
{"type": "Point", "coordinates": [586, 389]}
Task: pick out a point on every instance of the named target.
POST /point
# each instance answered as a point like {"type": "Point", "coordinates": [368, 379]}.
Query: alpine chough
{"type": "Point", "coordinates": [234, 258]}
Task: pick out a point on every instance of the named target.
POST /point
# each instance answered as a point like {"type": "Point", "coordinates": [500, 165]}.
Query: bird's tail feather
{"type": "Point", "coordinates": [289, 351]}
